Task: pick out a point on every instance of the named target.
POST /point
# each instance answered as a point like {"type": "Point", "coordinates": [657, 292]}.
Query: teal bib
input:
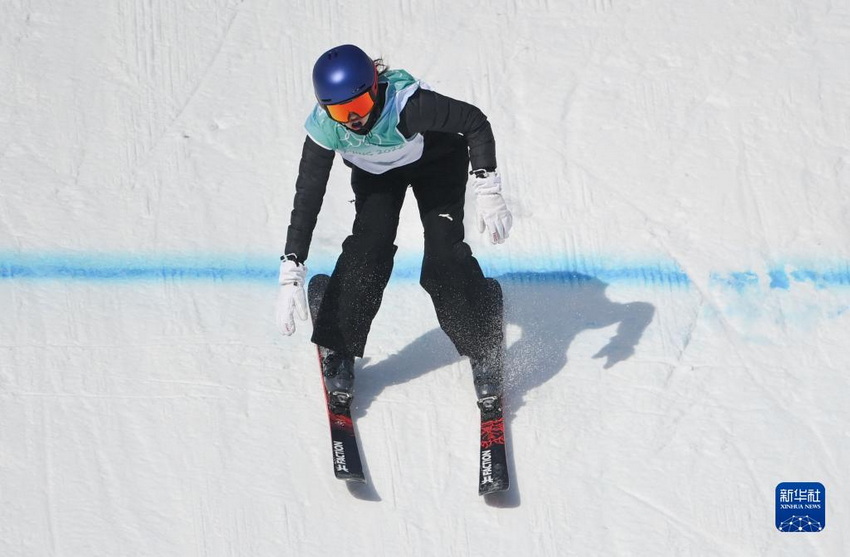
{"type": "Point", "coordinates": [384, 147]}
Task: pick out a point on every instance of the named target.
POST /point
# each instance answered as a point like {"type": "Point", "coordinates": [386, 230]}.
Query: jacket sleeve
{"type": "Point", "coordinates": [430, 111]}
{"type": "Point", "coordinates": [310, 186]}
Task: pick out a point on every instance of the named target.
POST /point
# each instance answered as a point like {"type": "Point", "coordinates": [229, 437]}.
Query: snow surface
{"type": "Point", "coordinates": [677, 283]}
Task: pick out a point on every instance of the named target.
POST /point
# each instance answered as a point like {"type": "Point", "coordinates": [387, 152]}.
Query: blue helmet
{"type": "Point", "coordinates": [343, 73]}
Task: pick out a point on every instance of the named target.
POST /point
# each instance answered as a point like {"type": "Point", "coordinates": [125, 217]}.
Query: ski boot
{"type": "Point", "coordinates": [338, 372]}
{"type": "Point", "coordinates": [487, 377]}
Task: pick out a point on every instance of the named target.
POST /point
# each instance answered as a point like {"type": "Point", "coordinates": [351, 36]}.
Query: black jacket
{"type": "Point", "coordinates": [425, 112]}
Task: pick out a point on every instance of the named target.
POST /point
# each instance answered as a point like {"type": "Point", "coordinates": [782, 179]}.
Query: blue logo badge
{"type": "Point", "coordinates": [800, 507]}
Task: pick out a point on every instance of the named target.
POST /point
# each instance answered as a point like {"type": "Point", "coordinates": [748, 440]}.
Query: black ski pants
{"type": "Point", "coordinates": [450, 274]}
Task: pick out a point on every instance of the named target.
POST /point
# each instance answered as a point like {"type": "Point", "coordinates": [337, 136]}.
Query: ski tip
{"type": "Point", "coordinates": [352, 478]}
{"type": "Point", "coordinates": [318, 280]}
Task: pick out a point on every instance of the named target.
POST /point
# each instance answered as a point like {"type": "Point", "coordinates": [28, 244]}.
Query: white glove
{"type": "Point", "coordinates": [291, 298]}
{"type": "Point", "coordinates": [493, 214]}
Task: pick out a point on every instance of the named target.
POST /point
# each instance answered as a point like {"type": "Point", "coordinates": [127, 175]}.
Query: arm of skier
{"type": "Point", "coordinates": [310, 186]}
{"type": "Point", "coordinates": [430, 111]}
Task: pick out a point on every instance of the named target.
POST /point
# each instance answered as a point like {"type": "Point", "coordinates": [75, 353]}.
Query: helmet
{"type": "Point", "coordinates": [343, 73]}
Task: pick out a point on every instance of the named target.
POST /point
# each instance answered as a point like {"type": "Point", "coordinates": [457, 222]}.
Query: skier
{"type": "Point", "coordinates": [394, 132]}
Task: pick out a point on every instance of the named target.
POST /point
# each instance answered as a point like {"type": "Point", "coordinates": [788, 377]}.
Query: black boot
{"type": "Point", "coordinates": [338, 371]}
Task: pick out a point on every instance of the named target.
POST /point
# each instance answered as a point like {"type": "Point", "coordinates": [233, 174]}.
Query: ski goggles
{"type": "Point", "coordinates": [359, 107]}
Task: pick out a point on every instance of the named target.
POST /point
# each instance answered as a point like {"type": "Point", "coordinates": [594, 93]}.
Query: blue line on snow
{"type": "Point", "coordinates": [821, 276]}
{"type": "Point", "coordinates": [105, 268]}
{"type": "Point", "coordinates": [234, 269]}
{"type": "Point", "coordinates": [736, 280]}
{"type": "Point", "coordinates": [126, 269]}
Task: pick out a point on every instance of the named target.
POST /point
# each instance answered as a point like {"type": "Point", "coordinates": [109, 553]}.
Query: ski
{"type": "Point", "coordinates": [493, 465]}
{"type": "Point", "coordinates": [344, 450]}
{"type": "Point", "coordinates": [493, 461]}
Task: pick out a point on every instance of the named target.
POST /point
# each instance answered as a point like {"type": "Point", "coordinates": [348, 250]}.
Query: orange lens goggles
{"type": "Point", "coordinates": [358, 107]}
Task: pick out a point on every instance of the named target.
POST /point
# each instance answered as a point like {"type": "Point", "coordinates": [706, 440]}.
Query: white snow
{"type": "Point", "coordinates": [678, 171]}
